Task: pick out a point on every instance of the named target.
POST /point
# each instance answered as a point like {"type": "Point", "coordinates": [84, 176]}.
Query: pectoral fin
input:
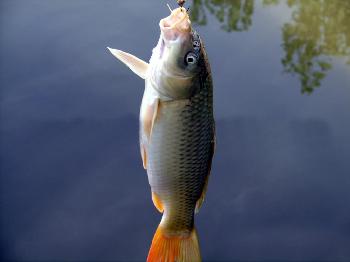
{"type": "Point", "coordinates": [136, 65]}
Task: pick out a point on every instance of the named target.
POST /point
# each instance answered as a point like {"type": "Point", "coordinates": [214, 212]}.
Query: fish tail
{"type": "Point", "coordinates": [171, 248]}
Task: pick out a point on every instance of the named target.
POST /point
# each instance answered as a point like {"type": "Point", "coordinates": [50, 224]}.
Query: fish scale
{"type": "Point", "coordinates": [179, 152]}
{"type": "Point", "coordinates": [177, 137]}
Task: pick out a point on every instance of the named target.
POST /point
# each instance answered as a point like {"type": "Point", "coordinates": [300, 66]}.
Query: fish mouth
{"type": "Point", "coordinates": [175, 25]}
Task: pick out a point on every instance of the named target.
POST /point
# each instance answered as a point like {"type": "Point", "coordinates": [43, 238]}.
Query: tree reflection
{"type": "Point", "coordinates": [233, 15]}
{"type": "Point", "coordinates": [318, 31]}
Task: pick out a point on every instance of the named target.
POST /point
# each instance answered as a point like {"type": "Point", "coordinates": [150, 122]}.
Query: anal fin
{"type": "Point", "coordinates": [202, 197]}
{"type": "Point", "coordinates": [205, 187]}
{"type": "Point", "coordinates": [157, 202]}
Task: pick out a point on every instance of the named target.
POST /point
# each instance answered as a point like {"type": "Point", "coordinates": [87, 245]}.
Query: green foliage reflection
{"type": "Point", "coordinates": [318, 30]}
{"type": "Point", "coordinates": [233, 15]}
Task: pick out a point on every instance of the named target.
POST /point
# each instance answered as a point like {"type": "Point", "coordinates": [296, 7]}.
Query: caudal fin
{"type": "Point", "coordinates": [174, 248]}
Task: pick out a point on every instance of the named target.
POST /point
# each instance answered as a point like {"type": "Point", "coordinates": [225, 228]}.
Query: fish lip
{"type": "Point", "coordinates": [175, 25]}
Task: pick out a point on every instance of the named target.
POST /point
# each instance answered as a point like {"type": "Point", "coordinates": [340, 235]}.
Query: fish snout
{"type": "Point", "coordinates": [176, 25]}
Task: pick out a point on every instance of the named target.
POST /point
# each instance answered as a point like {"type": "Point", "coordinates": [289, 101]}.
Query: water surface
{"type": "Point", "coordinates": [72, 183]}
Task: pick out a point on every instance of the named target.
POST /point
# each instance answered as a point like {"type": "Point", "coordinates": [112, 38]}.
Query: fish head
{"type": "Point", "coordinates": [176, 60]}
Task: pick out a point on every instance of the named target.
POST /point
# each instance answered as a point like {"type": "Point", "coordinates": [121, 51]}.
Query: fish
{"type": "Point", "coordinates": [177, 133]}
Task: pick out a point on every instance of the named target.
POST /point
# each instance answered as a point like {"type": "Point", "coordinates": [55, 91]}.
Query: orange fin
{"type": "Point", "coordinates": [205, 187]}
{"type": "Point", "coordinates": [174, 248]}
{"type": "Point", "coordinates": [202, 197]}
{"type": "Point", "coordinates": [157, 202]}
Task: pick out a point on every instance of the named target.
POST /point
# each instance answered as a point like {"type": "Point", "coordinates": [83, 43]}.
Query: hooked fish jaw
{"type": "Point", "coordinates": [177, 24]}
{"type": "Point", "coordinates": [170, 73]}
{"type": "Point", "coordinates": [168, 70]}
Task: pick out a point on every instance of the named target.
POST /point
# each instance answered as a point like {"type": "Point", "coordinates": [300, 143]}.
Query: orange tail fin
{"type": "Point", "coordinates": [174, 248]}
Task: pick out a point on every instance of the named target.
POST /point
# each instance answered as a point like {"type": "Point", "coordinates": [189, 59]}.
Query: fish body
{"type": "Point", "coordinates": [177, 134]}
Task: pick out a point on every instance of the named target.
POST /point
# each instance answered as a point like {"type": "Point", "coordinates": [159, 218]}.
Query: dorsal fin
{"type": "Point", "coordinates": [136, 65]}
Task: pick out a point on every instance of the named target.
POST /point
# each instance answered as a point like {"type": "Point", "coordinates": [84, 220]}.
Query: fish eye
{"type": "Point", "coordinates": [191, 58]}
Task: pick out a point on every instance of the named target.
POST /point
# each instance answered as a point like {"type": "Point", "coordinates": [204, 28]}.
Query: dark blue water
{"type": "Point", "coordinates": [72, 183]}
